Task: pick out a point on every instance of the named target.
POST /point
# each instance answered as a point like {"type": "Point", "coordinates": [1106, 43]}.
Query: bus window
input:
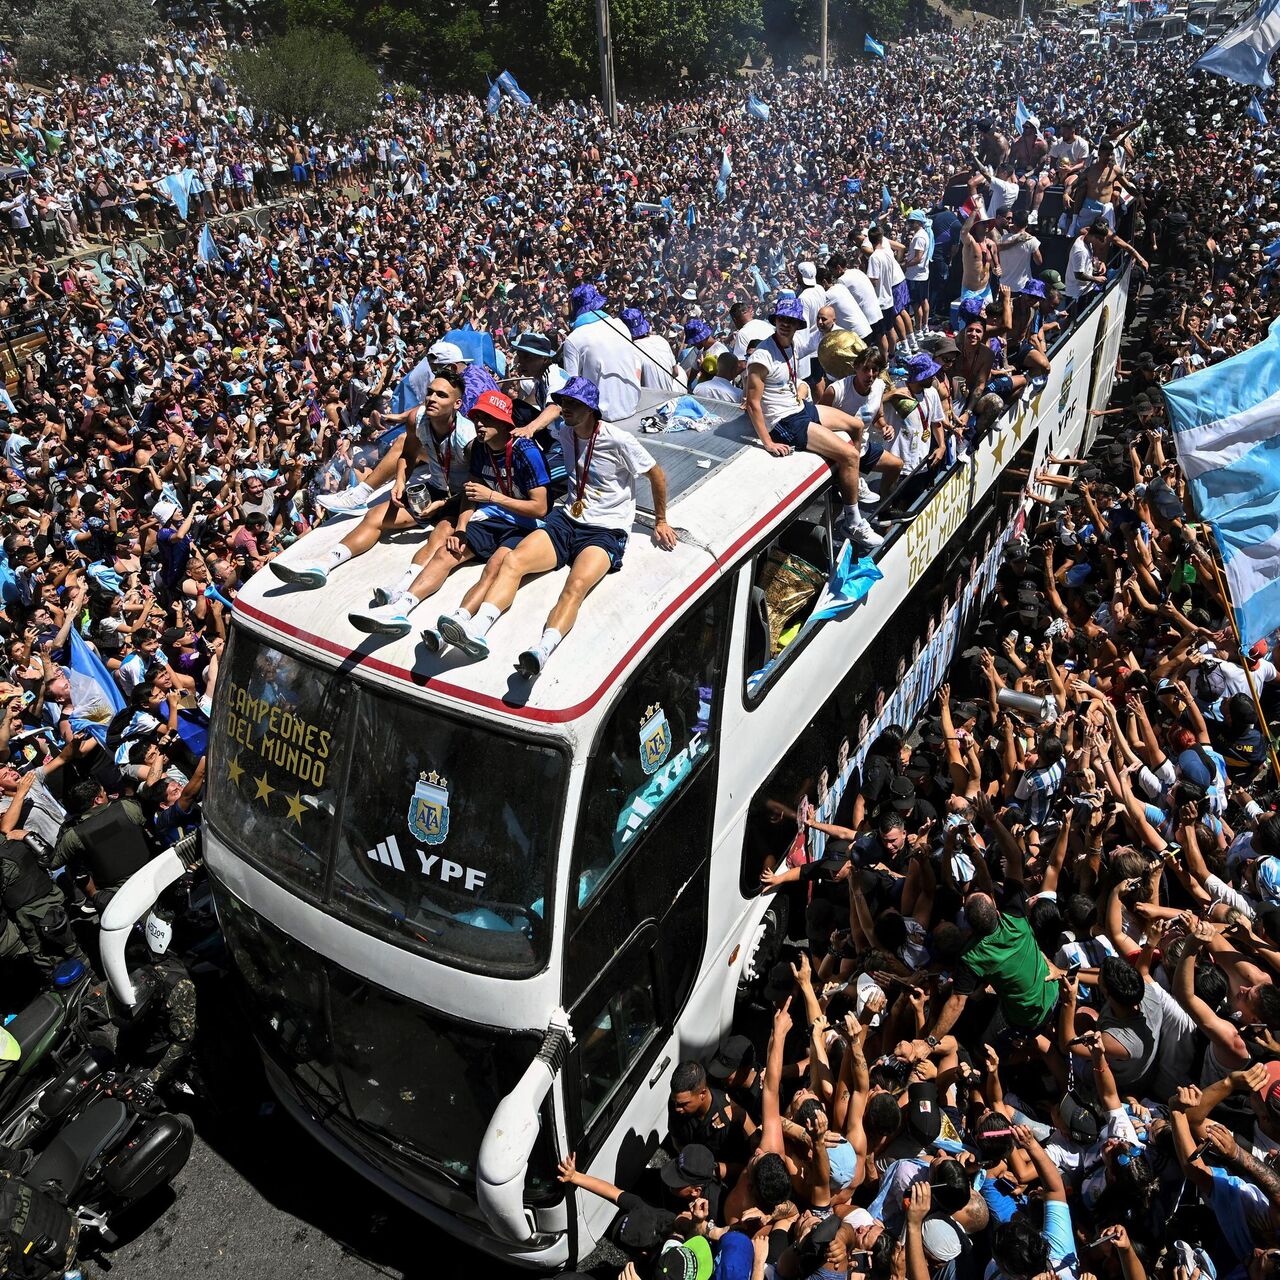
{"type": "Point", "coordinates": [446, 836]}
{"type": "Point", "coordinates": [787, 578]}
{"type": "Point", "coordinates": [659, 735]}
{"type": "Point", "coordinates": [276, 770]}
{"type": "Point", "coordinates": [614, 1026]}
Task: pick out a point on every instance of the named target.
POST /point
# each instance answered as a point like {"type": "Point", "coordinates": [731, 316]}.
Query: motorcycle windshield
{"type": "Point", "coordinates": [413, 1088]}
{"type": "Point", "coordinates": [433, 832]}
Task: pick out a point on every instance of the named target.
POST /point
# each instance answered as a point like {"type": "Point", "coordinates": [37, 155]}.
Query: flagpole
{"type": "Point", "coordinates": [1215, 555]}
{"type": "Point", "coordinates": [824, 41]}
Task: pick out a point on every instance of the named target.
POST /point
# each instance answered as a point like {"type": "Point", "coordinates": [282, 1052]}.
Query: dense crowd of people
{"type": "Point", "coordinates": [1034, 1026]}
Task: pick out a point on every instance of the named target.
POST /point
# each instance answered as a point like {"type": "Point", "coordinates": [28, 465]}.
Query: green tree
{"type": "Point", "coordinates": [76, 37]}
{"type": "Point", "coordinates": [654, 41]}
{"type": "Point", "coordinates": [309, 75]}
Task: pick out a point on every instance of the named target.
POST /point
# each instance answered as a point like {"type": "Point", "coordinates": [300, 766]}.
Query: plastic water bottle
{"type": "Point", "coordinates": [74, 1274]}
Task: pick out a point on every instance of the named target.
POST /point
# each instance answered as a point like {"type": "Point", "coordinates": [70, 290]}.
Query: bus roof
{"type": "Point", "coordinates": [724, 494]}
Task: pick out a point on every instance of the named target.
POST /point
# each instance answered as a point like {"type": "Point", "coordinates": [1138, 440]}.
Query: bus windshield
{"type": "Point", "coordinates": [435, 833]}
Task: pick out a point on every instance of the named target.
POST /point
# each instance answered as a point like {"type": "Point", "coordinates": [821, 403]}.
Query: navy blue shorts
{"type": "Point", "coordinates": [794, 430]}
{"type": "Point", "coordinates": [873, 455]}
{"type": "Point", "coordinates": [484, 537]}
{"type": "Point", "coordinates": [918, 290]}
{"type": "Point", "coordinates": [570, 539]}
{"type": "Point", "coordinates": [883, 328]}
{"type": "Point", "coordinates": [1001, 384]}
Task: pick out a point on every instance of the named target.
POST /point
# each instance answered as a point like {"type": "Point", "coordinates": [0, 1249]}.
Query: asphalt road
{"type": "Point", "coordinates": [259, 1198]}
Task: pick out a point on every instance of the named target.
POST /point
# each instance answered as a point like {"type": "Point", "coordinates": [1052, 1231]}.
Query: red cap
{"type": "Point", "coordinates": [496, 405]}
{"type": "Point", "coordinates": [1272, 1085]}
{"type": "Point", "coordinates": [1257, 651]}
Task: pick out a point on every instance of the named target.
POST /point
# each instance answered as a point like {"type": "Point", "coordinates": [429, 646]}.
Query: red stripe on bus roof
{"type": "Point", "coordinates": [550, 716]}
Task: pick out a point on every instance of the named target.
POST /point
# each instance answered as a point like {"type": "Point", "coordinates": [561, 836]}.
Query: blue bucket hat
{"type": "Point", "coordinates": [634, 319]}
{"type": "Point", "coordinates": [536, 344]}
{"type": "Point", "coordinates": [586, 297]}
{"type": "Point", "coordinates": [788, 309]}
{"type": "Point", "coordinates": [1033, 288]}
{"type": "Point", "coordinates": [696, 331]}
{"type": "Point", "coordinates": [583, 390]}
{"type": "Point", "coordinates": [971, 311]}
{"type": "Point", "coordinates": [918, 215]}
{"type": "Point", "coordinates": [922, 366]}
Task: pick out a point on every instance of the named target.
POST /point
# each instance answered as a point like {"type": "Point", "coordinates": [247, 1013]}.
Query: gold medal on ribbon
{"type": "Point", "coordinates": [578, 508]}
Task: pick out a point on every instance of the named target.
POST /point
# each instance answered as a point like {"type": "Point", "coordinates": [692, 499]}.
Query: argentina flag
{"type": "Point", "coordinates": [873, 47]}
{"type": "Point", "coordinates": [1226, 428]}
{"type": "Point", "coordinates": [1243, 53]}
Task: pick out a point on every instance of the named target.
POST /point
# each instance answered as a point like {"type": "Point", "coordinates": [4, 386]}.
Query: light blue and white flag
{"type": "Point", "coordinates": [873, 47]}
{"type": "Point", "coordinates": [507, 83]}
{"type": "Point", "coordinates": [757, 108]}
{"type": "Point", "coordinates": [850, 581]}
{"type": "Point", "coordinates": [726, 172]}
{"type": "Point", "coordinates": [207, 250]}
{"type": "Point", "coordinates": [494, 100]}
{"type": "Point", "coordinates": [1226, 429]}
{"type": "Point", "coordinates": [1021, 115]}
{"type": "Point", "coordinates": [1198, 32]}
{"type": "Point", "coordinates": [1242, 54]}
{"type": "Point", "coordinates": [412, 389]}
{"type": "Point", "coordinates": [177, 186]}
{"type": "Point", "coordinates": [1254, 110]}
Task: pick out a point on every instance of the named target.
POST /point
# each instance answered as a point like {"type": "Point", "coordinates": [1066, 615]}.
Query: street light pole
{"type": "Point", "coordinates": [823, 52]}
{"type": "Point", "coordinates": [608, 95]}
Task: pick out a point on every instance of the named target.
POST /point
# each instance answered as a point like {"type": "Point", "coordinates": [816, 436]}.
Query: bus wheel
{"type": "Point", "coordinates": [765, 950]}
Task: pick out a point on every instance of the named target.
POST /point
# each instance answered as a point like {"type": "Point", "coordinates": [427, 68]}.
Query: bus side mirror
{"type": "Point", "coordinates": [513, 1129]}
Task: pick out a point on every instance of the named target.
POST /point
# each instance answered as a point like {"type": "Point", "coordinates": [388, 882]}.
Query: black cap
{"type": "Point", "coordinates": [642, 1227]}
{"type": "Point", "coordinates": [733, 1054]}
{"type": "Point", "coordinates": [781, 984]}
{"type": "Point", "coordinates": [695, 1166]}
{"type": "Point", "coordinates": [922, 1115]}
{"type": "Point", "coordinates": [902, 792]}
{"type": "Point", "coordinates": [920, 766]}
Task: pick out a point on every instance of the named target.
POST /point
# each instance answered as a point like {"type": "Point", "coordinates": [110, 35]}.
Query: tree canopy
{"type": "Point", "coordinates": [309, 75]}
{"type": "Point", "coordinates": [52, 38]}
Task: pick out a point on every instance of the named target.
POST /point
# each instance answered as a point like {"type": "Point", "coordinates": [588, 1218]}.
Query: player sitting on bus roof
{"type": "Point", "coordinates": [506, 497]}
{"type": "Point", "coordinates": [787, 420]}
{"type": "Point", "coordinates": [440, 441]}
{"type": "Point", "coordinates": [588, 531]}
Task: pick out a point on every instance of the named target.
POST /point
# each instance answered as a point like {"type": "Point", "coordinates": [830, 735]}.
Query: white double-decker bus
{"type": "Point", "coordinates": [479, 920]}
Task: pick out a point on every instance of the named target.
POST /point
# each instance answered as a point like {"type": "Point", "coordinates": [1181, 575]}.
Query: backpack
{"type": "Point", "coordinates": [38, 1235]}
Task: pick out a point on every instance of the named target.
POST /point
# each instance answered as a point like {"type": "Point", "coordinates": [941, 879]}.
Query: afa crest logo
{"type": "Point", "coordinates": [429, 808]}
{"type": "Point", "coordinates": [655, 738]}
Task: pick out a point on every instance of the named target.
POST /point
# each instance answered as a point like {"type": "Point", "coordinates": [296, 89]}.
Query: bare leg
{"type": "Point", "coordinates": [376, 522]}
{"type": "Point", "coordinates": [589, 568]}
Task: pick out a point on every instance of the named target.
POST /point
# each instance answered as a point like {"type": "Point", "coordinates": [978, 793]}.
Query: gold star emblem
{"type": "Point", "coordinates": [1019, 426]}
{"type": "Point", "coordinates": [998, 449]}
{"type": "Point", "coordinates": [295, 808]}
{"type": "Point", "coordinates": [235, 770]}
{"type": "Point", "coordinates": [264, 788]}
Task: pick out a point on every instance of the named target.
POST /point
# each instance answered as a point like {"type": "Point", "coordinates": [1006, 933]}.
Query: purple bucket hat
{"type": "Point", "coordinates": [696, 331]}
{"type": "Point", "coordinates": [634, 319]}
{"type": "Point", "coordinates": [586, 297]}
{"type": "Point", "coordinates": [583, 390]}
{"type": "Point", "coordinates": [1033, 288]}
{"type": "Point", "coordinates": [922, 366]}
{"type": "Point", "coordinates": [788, 309]}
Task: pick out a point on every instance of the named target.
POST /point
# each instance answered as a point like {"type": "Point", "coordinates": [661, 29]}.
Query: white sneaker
{"type": "Point", "coordinates": [385, 595]}
{"type": "Point", "coordinates": [383, 620]}
{"type": "Point", "coordinates": [864, 490]}
{"type": "Point", "coordinates": [307, 575]}
{"type": "Point", "coordinates": [455, 631]}
{"type": "Point", "coordinates": [351, 502]}
{"type": "Point", "coordinates": [865, 536]}
{"type": "Point", "coordinates": [434, 641]}
{"type": "Point", "coordinates": [530, 663]}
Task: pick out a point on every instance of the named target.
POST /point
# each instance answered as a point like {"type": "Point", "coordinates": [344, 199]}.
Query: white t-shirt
{"type": "Point", "coordinates": [1004, 195]}
{"type": "Point", "coordinates": [1080, 262]}
{"type": "Point", "coordinates": [658, 367]}
{"type": "Point", "coordinates": [779, 399]}
{"type": "Point", "coordinates": [864, 293]}
{"type": "Point", "coordinates": [883, 264]}
{"type": "Point", "coordinates": [752, 331]}
{"type": "Point", "coordinates": [852, 401]}
{"type": "Point", "coordinates": [1072, 152]}
{"type": "Point", "coordinates": [919, 244]}
{"type": "Point", "coordinates": [617, 460]}
{"type": "Point", "coordinates": [813, 299]}
{"type": "Point", "coordinates": [848, 313]}
{"type": "Point", "coordinates": [718, 388]}
{"type": "Point", "coordinates": [1015, 261]}
{"type": "Point", "coordinates": [602, 351]}
{"type": "Point", "coordinates": [911, 437]}
{"type": "Point", "coordinates": [438, 455]}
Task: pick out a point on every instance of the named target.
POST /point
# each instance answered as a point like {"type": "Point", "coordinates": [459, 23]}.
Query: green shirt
{"type": "Point", "coordinates": [1012, 962]}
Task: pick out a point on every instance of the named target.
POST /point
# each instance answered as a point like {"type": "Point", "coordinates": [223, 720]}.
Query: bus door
{"type": "Point", "coordinates": [636, 923]}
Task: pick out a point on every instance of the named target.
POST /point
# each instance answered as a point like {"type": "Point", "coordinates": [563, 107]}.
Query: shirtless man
{"type": "Point", "coordinates": [1100, 180]}
{"type": "Point", "coordinates": [981, 254]}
